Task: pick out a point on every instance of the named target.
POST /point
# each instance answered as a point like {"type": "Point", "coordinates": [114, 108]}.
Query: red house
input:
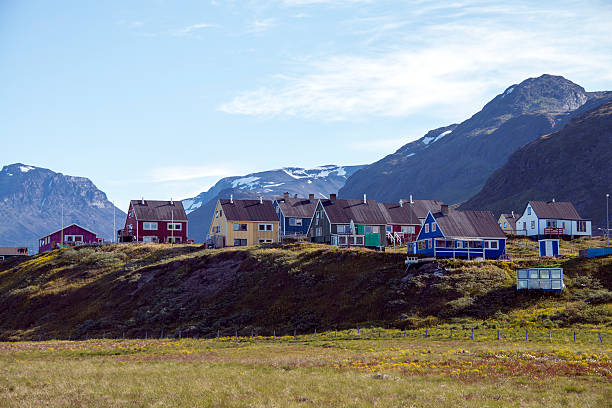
{"type": "Point", "coordinates": [69, 236]}
{"type": "Point", "coordinates": [403, 224]}
{"type": "Point", "coordinates": [154, 221]}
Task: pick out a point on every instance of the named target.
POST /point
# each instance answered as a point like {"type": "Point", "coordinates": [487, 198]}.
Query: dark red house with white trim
{"type": "Point", "coordinates": [69, 236]}
{"type": "Point", "coordinates": [154, 221]}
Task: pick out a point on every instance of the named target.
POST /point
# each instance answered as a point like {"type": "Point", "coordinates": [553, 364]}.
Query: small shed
{"type": "Point", "coordinates": [548, 279]}
{"type": "Point", "coordinates": [549, 247]}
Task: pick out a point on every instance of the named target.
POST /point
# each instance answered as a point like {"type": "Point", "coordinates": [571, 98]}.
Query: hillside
{"type": "Point", "coordinates": [452, 163]}
{"type": "Point", "coordinates": [31, 201]}
{"type": "Point", "coordinates": [573, 164]}
{"type": "Point", "coordinates": [320, 181]}
{"type": "Point", "coordinates": [139, 289]}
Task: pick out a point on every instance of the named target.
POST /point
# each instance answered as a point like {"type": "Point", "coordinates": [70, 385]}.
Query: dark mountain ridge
{"type": "Point", "coordinates": [452, 163]}
{"type": "Point", "coordinates": [573, 164]}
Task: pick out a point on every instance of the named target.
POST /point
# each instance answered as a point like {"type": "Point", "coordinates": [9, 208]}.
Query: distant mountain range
{"type": "Point", "coordinates": [573, 164]}
{"type": "Point", "coordinates": [452, 163]}
{"type": "Point", "coordinates": [31, 201]}
{"type": "Point", "coordinates": [320, 181]}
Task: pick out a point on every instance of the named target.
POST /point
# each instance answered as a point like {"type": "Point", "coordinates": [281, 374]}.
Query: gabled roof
{"type": "Point", "coordinates": [511, 218]}
{"type": "Point", "coordinates": [68, 226]}
{"type": "Point", "coordinates": [342, 211]}
{"type": "Point", "coordinates": [422, 207]}
{"type": "Point", "coordinates": [12, 251]}
{"type": "Point", "coordinates": [153, 210]}
{"type": "Point", "coordinates": [248, 210]}
{"type": "Point", "coordinates": [555, 209]}
{"type": "Point", "coordinates": [469, 224]}
{"type": "Point", "coordinates": [297, 207]}
{"type": "Point", "coordinates": [399, 214]}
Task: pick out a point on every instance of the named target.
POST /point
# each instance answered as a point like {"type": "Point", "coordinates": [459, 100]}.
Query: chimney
{"type": "Point", "coordinates": [365, 200]}
{"type": "Point", "coordinates": [171, 202]}
{"type": "Point", "coordinates": [286, 195]}
{"type": "Point", "coordinates": [311, 196]}
{"type": "Point", "coordinates": [142, 200]}
{"type": "Point", "coordinates": [231, 199]}
{"type": "Point", "coordinates": [411, 202]}
{"type": "Point", "coordinates": [512, 213]}
{"type": "Point", "coordinates": [401, 202]}
{"type": "Point", "coordinates": [260, 199]}
{"type": "Point", "coordinates": [444, 208]}
{"type": "Point", "coordinates": [553, 199]}
{"type": "Point", "coordinates": [332, 197]}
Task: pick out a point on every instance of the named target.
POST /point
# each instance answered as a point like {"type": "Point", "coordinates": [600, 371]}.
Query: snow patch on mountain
{"type": "Point", "coordinates": [245, 182]}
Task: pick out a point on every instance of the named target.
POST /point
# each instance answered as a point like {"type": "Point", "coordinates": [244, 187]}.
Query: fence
{"type": "Point", "coordinates": [582, 336]}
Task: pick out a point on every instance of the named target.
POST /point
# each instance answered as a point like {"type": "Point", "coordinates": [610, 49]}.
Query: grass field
{"type": "Point", "coordinates": [323, 370]}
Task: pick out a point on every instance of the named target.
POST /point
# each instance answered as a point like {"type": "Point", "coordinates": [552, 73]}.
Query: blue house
{"type": "Point", "coordinates": [294, 215]}
{"type": "Point", "coordinates": [460, 234]}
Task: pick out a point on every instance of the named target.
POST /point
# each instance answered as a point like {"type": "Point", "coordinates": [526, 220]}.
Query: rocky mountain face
{"type": "Point", "coordinates": [573, 164]}
{"type": "Point", "coordinates": [320, 181]}
{"type": "Point", "coordinates": [452, 163]}
{"type": "Point", "coordinates": [31, 201]}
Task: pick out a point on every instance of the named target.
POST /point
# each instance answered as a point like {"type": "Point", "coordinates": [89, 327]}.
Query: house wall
{"type": "Point", "coordinates": [284, 222]}
{"type": "Point", "coordinates": [162, 233]}
{"type": "Point", "coordinates": [55, 238]}
{"type": "Point", "coordinates": [505, 225]}
{"type": "Point", "coordinates": [323, 223]}
{"type": "Point", "coordinates": [570, 227]}
{"type": "Point", "coordinates": [252, 234]}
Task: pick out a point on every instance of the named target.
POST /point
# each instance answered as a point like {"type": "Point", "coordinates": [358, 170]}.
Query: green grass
{"type": "Point", "coordinates": [348, 370]}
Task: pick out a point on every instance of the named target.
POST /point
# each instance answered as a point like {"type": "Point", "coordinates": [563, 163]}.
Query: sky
{"type": "Point", "coordinates": [160, 99]}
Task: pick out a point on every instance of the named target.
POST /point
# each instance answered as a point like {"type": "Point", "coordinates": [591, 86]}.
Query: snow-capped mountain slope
{"type": "Point", "coordinates": [320, 181]}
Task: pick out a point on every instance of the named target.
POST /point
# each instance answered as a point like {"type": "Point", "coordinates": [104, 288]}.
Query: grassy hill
{"type": "Point", "coordinates": [142, 290]}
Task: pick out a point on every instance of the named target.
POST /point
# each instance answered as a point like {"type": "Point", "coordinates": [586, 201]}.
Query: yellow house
{"type": "Point", "coordinates": [507, 222]}
{"type": "Point", "coordinates": [243, 222]}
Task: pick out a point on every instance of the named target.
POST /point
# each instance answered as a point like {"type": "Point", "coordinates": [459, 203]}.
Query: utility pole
{"type": "Point", "coordinates": [114, 226]}
{"type": "Point", "coordinates": [172, 215]}
{"type": "Point", "coordinates": [62, 230]}
{"type": "Point", "coordinates": [608, 218]}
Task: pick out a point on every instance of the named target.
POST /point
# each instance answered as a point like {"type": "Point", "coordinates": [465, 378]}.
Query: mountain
{"type": "Point", "coordinates": [452, 163]}
{"type": "Point", "coordinates": [320, 181]}
{"type": "Point", "coordinates": [31, 201]}
{"type": "Point", "coordinates": [573, 164]}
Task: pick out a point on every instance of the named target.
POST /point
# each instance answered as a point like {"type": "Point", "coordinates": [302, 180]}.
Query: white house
{"type": "Point", "coordinates": [542, 218]}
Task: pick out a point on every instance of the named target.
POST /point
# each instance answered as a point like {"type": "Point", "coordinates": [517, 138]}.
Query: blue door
{"type": "Point", "coordinates": [542, 248]}
{"type": "Point", "coordinates": [555, 248]}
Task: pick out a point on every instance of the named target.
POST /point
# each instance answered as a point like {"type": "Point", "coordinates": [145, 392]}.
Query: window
{"type": "Point", "coordinates": [264, 227]}
{"type": "Point", "coordinates": [217, 229]}
{"type": "Point", "coordinates": [149, 239]}
{"type": "Point", "coordinates": [175, 226]}
{"type": "Point", "coordinates": [265, 241]}
{"type": "Point", "coordinates": [240, 227]}
{"type": "Point", "coordinates": [505, 225]}
{"type": "Point", "coordinates": [581, 226]}
{"type": "Point", "coordinates": [318, 231]}
{"type": "Point", "coordinates": [372, 229]}
{"type": "Point", "coordinates": [343, 229]}
{"type": "Point", "coordinates": [491, 244]}
{"type": "Point", "coordinates": [216, 214]}
{"type": "Point", "coordinates": [173, 240]}
{"type": "Point", "coordinates": [389, 228]}
{"type": "Point", "coordinates": [433, 227]}
{"type": "Point", "coordinates": [295, 222]}
{"type": "Point", "coordinates": [443, 243]}
{"type": "Point", "coordinates": [528, 210]}
{"type": "Point", "coordinates": [73, 238]}
{"type": "Point", "coordinates": [358, 240]}
{"type": "Point", "coordinates": [240, 242]}
{"type": "Point", "coordinates": [532, 224]}
{"type": "Point", "coordinates": [408, 229]}
{"type": "Point", "coordinates": [149, 226]}
{"type": "Point", "coordinates": [426, 228]}
{"type": "Point", "coordinates": [475, 244]}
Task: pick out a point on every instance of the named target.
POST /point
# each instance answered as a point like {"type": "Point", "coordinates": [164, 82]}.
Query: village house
{"type": "Point", "coordinates": [553, 218]}
{"type": "Point", "coordinates": [423, 207]}
{"type": "Point", "coordinates": [460, 234]}
{"type": "Point", "coordinates": [507, 222]}
{"type": "Point", "coordinates": [154, 221]}
{"type": "Point", "coordinates": [243, 222]}
{"type": "Point", "coordinates": [71, 235]}
{"type": "Point", "coordinates": [402, 223]}
{"type": "Point", "coordinates": [7, 253]}
{"type": "Point", "coordinates": [294, 215]}
{"type": "Point", "coordinates": [344, 223]}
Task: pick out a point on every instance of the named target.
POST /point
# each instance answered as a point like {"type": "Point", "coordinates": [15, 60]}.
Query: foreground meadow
{"type": "Point", "coordinates": [323, 370]}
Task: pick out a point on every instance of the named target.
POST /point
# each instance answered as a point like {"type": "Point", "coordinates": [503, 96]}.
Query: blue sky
{"type": "Point", "coordinates": [162, 98]}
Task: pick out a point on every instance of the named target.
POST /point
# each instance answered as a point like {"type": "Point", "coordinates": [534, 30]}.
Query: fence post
{"type": "Point", "coordinates": [274, 335]}
{"type": "Point", "coordinates": [252, 333]}
{"type": "Point", "coordinates": [315, 332]}
{"type": "Point", "coordinates": [599, 335]}
{"type": "Point", "coordinates": [236, 333]}
{"type": "Point", "coordinates": [180, 334]}
{"type": "Point", "coordinates": [404, 332]}
{"type": "Point", "coordinates": [472, 333]}
{"type": "Point", "coordinates": [358, 330]}
{"type": "Point", "coordinates": [218, 333]}
{"type": "Point", "coordinates": [336, 332]}
{"type": "Point", "coordinates": [451, 333]}
{"type": "Point", "coordinates": [549, 336]}
{"type": "Point", "coordinates": [497, 334]}
{"type": "Point", "coordinates": [574, 336]}
{"type": "Point", "coordinates": [526, 334]}
{"type": "Point", "coordinates": [426, 333]}
{"type": "Point", "coordinates": [379, 332]}
{"type": "Point", "coordinates": [294, 334]}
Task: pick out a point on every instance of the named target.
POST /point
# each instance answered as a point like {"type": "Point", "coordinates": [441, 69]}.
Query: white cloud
{"type": "Point", "coordinates": [190, 29]}
{"type": "Point", "coordinates": [454, 66]}
{"type": "Point", "coordinates": [259, 26]}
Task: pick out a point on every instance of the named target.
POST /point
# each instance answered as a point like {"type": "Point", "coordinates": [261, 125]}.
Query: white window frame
{"type": "Point", "coordinates": [150, 239]}
{"type": "Point", "coordinates": [427, 228]}
{"type": "Point", "coordinates": [492, 244]}
{"type": "Point", "coordinates": [264, 227]}
{"type": "Point", "coordinates": [528, 210]}
{"type": "Point", "coordinates": [72, 238]}
{"type": "Point", "coordinates": [532, 224]}
{"type": "Point", "coordinates": [433, 227]}
{"type": "Point", "coordinates": [241, 239]}
{"type": "Point", "coordinates": [236, 226]}
{"type": "Point", "coordinates": [148, 226]}
{"type": "Point", "coordinates": [264, 241]}
{"type": "Point", "coordinates": [172, 226]}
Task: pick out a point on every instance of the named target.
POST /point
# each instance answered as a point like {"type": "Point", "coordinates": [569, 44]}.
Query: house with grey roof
{"type": "Point", "coordinates": [552, 219]}
{"type": "Point", "coordinates": [294, 215]}
{"type": "Point", "coordinates": [460, 234]}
